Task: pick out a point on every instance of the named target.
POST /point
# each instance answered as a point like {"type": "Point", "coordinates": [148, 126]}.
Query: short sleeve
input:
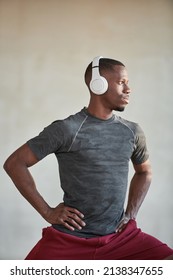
{"type": "Point", "coordinates": [50, 140]}
{"type": "Point", "coordinates": [140, 153]}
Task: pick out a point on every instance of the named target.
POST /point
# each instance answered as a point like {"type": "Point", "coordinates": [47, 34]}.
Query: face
{"type": "Point", "coordinates": [117, 95]}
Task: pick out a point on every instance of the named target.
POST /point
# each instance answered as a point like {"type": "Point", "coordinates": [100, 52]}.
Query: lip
{"type": "Point", "coordinates": [125, 99]}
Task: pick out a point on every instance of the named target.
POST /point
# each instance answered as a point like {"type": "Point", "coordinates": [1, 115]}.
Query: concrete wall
{"type": "Point", "coordinates": [45, 47]}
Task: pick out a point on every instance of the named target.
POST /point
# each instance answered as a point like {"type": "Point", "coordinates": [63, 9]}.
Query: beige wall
{"type": "Point", "coordinates": [44, 49]}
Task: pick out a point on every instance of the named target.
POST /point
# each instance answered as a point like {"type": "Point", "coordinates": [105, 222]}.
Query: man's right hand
{"type": "Point", "coordinates": [17, 167]}
{"type": "Point", "coordinates": [69, 217]}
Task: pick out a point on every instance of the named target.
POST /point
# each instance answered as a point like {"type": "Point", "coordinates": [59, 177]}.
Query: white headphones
{"type": "Point", "coordinates": [98, 84]}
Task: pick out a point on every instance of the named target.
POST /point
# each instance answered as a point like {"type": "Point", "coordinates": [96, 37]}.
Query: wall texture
{"type": "Point", "coordinates": [45, 47]}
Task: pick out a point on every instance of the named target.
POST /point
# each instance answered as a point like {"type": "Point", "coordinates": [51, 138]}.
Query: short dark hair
{"type": "Point", "coordinates": [105, 64]}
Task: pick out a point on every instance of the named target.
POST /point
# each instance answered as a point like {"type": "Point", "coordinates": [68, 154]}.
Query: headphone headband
{"type": "Point", "coordinates": [96, 61]}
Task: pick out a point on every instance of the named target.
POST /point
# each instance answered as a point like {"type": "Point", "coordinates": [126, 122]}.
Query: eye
{"type": "Point", "coordinates": [121, 82]}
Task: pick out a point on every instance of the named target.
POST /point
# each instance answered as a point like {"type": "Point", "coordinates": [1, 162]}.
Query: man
{"type": "Point", "coordinates": [93, 149]}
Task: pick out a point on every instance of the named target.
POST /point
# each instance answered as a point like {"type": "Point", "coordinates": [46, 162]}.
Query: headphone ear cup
{"type": "Point", "coordinates": [99, 85]}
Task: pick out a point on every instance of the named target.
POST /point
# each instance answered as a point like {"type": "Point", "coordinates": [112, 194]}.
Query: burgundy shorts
{"type": "Point", "coordinates": [130, 244]}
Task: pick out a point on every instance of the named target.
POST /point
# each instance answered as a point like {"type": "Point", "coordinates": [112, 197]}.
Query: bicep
{"type": "Point", "coordinates": [144, 167]}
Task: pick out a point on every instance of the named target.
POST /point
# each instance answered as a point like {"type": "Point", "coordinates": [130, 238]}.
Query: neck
{"type": "Point", "coordinates": [99, 112]}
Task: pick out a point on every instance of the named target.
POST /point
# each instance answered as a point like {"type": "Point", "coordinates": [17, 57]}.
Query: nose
{"type": "Point", "coordinates": [127, 89]}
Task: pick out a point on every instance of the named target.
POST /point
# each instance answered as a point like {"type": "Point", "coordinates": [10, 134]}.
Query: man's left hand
{"type": "Point", "coordinates": [123, 223]}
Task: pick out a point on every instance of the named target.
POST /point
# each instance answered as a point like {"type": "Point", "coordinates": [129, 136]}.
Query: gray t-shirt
{"type": "Point", "coordinates": [93, 157]}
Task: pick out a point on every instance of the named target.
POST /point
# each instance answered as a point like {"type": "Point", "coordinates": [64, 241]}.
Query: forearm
{"type": "Point", "coordinates": [17, 167]}
{"type": "Point", "coordinates": [24, 182]}
{"type": "Point", "coordinates": [138, 189]}
{"type": "Point", "coordinates": [69, 217]}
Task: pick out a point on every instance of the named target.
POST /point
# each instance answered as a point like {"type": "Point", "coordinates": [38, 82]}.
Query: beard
{"type": "Point", "coordinates": [119, 109]}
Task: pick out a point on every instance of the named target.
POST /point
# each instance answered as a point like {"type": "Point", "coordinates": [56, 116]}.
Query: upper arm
{"type": "Point", "coordinates": [140, 153]}
{"type": "Point", "coordinates": [144, 167]}
{"type": "Point", "coordinates": [22, 156]}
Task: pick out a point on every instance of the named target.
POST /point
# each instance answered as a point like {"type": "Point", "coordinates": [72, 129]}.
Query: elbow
{"type": "Point", "coordinates": [12, 164]}
{"type": "Point", "coordinates": [8, 165]}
